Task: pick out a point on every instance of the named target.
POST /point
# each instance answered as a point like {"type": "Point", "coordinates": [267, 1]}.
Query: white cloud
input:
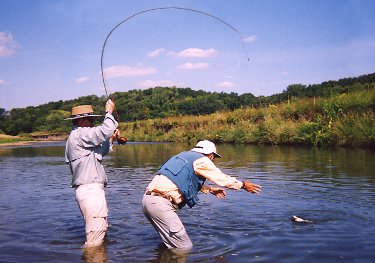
{"type": "Point", "coordinates": [226, 84]}
{"type": "Point", "coordinates": [8, 45]}
{"type": "Point", "coordinates": [250, 39]}
{"type": "Point", "coordinates": [196, 53]}
{"type": "Point", "coordinates": [83, 79]}
{"type": "Point", "coordinates": [156, 53]}
{"type": "Point", "coordinates": [157, 83]}
{"type": "Point", "coordinates": [192, 66]}
{"type": "Point", "coordinates": [3, 82]}
{"type": "Point", "coordinates": [128, 71]}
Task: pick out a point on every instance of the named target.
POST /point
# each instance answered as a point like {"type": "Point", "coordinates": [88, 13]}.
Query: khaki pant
{"type": "Point", "coordinates": [162, 215]}
{"type": "Point", "coordinates": [93, 205]}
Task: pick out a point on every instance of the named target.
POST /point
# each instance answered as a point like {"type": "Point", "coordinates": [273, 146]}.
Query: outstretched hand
{"type": "Point", "coordinates": [218, 192]}
{"type": "Point", "coordinates": [252, 188]}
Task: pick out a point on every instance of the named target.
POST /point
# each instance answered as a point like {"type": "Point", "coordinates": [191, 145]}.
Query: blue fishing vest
{"type": "Point", "coordinates": [179, 169]}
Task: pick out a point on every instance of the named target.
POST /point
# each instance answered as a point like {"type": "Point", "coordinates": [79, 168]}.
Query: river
{"type": "Point", "coordinates": [334, 188]}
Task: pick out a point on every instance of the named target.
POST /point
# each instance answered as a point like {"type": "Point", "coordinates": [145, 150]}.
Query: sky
{"type": "Point", "coordinates": [53, 50]}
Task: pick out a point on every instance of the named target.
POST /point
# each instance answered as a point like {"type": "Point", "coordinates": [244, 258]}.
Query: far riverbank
{"type": "Point", "coordinates": [28, 139]}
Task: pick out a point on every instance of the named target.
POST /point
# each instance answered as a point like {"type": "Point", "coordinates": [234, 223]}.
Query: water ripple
{"type": "Point", "coordinates": [40, 221]}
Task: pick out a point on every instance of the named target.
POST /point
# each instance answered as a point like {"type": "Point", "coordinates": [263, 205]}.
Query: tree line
{"type": "Point", "coordinates": [162, 102]}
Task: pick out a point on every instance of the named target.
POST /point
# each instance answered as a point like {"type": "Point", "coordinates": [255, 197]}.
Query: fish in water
{"type": "Point", "coordinates": [300, 220]}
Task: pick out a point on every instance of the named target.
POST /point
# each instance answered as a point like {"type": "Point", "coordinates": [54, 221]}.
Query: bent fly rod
{"type": "Point", "coordinates": [109, 96]}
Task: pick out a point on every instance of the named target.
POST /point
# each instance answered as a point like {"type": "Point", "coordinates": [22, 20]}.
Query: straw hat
{"type": "Point", "coordinates": [82, 111]}
{"type": "Point", "coordinates": [206, 147]}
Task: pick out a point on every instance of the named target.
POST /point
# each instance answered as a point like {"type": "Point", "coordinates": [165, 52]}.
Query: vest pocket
{"type": "Point", "coordinates": [177, 165]}
{"type": "Point", "coordinates": [193, 196]}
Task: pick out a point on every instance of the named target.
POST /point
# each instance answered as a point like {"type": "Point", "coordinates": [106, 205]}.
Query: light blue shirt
{"type": "Point", "coordinates": [85, 149]}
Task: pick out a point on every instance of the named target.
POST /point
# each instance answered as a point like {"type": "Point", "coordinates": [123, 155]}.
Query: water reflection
{"type": "Point", "coordinates": [144, 155]}
{"type": "Point", "coordinates": [355, 162]}
{"type": "Point", "coordinates": [163, 254]}
{"type": "Point", "coordinates": [39, 220]}
{"type": "Point", "coordinates": [35, 149]}
{"type": "Point", "coordinates": [95, 254]}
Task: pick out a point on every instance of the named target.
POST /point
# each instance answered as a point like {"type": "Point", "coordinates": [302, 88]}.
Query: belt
{"type": "Point", "coordinates": [159, 194]}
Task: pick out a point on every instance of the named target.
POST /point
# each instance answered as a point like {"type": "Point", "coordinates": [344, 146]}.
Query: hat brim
{"type": "Point", "coordinates": [217, 155]}
{"type": "Point", "coordinates": [82, 116]}
{"type": "Point", "coordinates": [200, 150]}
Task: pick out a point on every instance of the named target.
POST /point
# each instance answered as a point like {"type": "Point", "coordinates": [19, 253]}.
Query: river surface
{"type": "Point", "coordinates": [335, 189]}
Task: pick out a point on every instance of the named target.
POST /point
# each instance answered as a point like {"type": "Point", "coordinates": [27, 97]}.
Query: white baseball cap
{"type": "Point", "coordinates": [206, 147]}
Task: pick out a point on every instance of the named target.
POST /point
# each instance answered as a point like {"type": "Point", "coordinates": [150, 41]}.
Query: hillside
{"type": "Point", "coordinates": [172, 105]}
{"type": "Point", "coordinates": [341, 120]}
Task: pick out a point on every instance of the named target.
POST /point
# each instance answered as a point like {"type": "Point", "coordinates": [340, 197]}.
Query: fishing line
{"type": "Point", "coordinates": [122, 140]}
{"type": "Point", "coordinates": [106, 88]}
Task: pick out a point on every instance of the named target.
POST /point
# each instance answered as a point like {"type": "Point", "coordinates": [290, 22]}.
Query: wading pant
{"type": "Point", "coordinates": [93, 205]}
{"type": "Point", "coordinates": [162, 215]}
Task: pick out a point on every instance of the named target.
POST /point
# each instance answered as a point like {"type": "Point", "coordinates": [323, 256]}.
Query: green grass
{"type": "Point", "coordinates": [13, 139]}
{"type": "Point", "coordinates": [344, 120]}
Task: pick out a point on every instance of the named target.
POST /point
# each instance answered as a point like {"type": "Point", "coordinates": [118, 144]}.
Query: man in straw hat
{"type": "Point", "coordinates": [177, 183]}
{"type": "Point", "coordinates": [84, 151]}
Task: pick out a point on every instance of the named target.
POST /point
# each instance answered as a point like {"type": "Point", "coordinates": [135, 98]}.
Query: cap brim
{"type": "Point", "coordinates": [79, 117]}
{"type": "Point", "coordinates": [217, 155]}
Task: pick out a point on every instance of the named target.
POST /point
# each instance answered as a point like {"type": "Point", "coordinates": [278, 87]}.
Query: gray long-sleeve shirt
{"type": "Point", "coordinates": [85, 149]}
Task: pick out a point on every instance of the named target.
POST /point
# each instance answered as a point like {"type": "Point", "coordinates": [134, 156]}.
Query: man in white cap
{"type": "Point", "coordinates": [177, 183]}
{"type": "Point", "coordinates": [84, 151]}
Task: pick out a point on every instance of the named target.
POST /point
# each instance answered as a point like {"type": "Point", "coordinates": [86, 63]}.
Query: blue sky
{"type": "Point", "coordinates": [50, 50]}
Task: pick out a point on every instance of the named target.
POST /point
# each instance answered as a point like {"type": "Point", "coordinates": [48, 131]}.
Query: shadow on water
{"type": "Point", "coordinates": [40, 221]}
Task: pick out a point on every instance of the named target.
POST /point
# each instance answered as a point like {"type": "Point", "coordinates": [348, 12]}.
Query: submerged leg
{"type": "Point", "coordinates": [162, 215]}
{"type": "Point", "coordinates": [93, 205]}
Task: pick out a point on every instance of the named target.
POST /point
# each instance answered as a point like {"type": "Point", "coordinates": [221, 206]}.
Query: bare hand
{"type": "Point", "coordinates": [252, 188]}
{"type": "Point", "coordinates": [109, 106]}
{"type": "Point", "coordinates": [218, 192]}
{"type": "Point", "coordinates": [115, 135]}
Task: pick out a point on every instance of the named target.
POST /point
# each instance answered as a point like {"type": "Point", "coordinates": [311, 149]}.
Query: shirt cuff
{"type": "Point", "coordinates": [205, 189]}
{"type": "Point", "coordinates": [110, 116]}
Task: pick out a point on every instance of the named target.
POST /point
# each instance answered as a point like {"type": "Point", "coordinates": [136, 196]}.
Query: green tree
{"type": "Point", "coordinates": [295, 90]}
{"type": "Point", "coordinates": [55, 121]}
{"type": "Point", "coordinates": [2, 119]}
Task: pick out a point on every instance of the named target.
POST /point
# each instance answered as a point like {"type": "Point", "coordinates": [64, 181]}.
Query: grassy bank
{"type": "Point", "coordinates": [344, 120]}
{"type": "Point", "coordinates": [8, 139]}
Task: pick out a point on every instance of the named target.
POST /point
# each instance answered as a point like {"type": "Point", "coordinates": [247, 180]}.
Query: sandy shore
{"type": "Point", "coordinates": [25, 143]}
{"type": "Point", "coordinates": [37, 139]}
{"type": "Point", "coordinates": [16, 143]}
